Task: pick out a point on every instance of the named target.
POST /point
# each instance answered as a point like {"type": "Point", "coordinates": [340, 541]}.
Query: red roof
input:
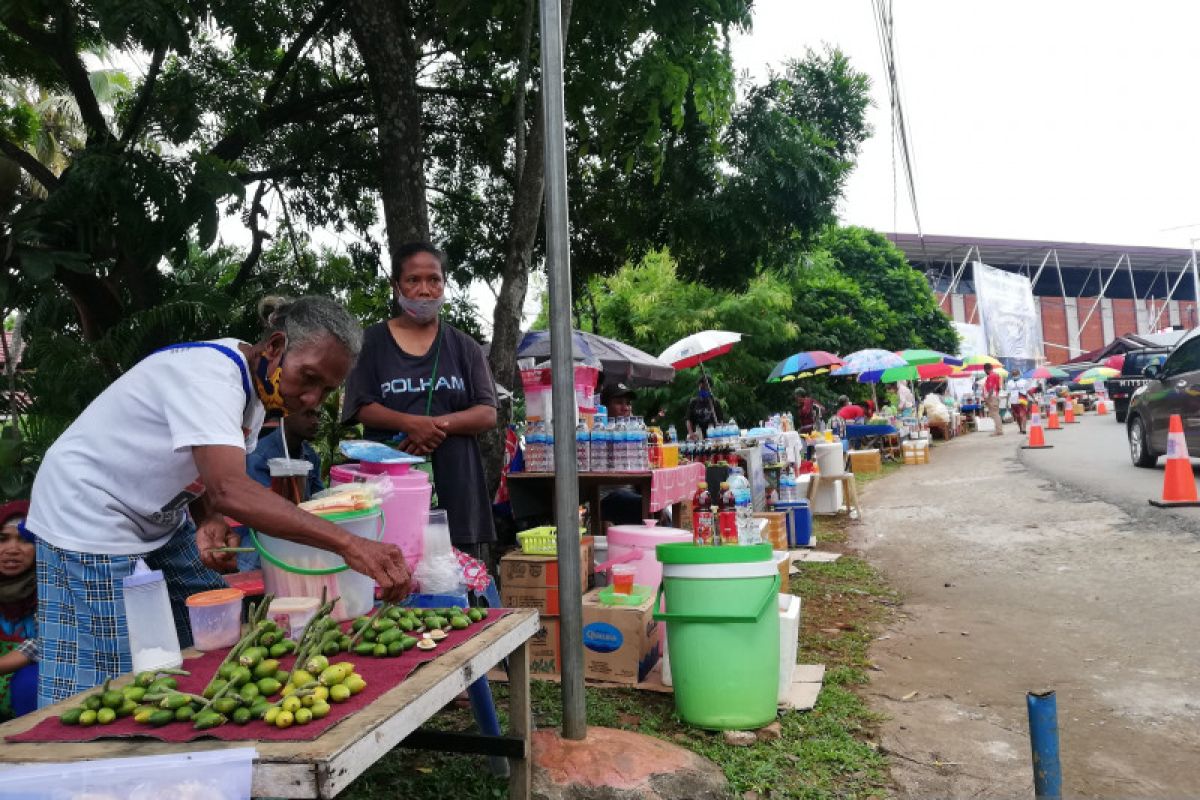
{"type": "Point", "coordinates": [7, 346]}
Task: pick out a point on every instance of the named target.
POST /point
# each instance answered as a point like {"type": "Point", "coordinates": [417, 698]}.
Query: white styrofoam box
{"type": "Point", "coordinates": [830, 458]}
{"type": "Point", "coordinates": [985, 425]}
{"type": "Point", "coordinates": [217, 774]}
{"type": "Point", "coordinates": [789, 640]}
{"type": "Point", "coordinates": [828, 499]}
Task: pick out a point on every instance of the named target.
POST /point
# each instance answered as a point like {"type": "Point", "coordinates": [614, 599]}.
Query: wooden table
{"type": "Point", "coordinates": [328, 764]}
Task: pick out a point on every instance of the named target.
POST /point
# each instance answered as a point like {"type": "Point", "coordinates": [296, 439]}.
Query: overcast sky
{"type": "Point", "coordinates": [1063, 120]}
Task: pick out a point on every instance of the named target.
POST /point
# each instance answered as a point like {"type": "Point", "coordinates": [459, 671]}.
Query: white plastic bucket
{"type": "Point", "coordinates": [288, 567]}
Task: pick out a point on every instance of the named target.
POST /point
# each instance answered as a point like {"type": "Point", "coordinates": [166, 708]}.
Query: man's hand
{"type": "Point", "coordinates": [383, 562]}
{"type": "Point", "coordinates": [215, 532]}
{"type": "Point", "coordinates": [423, 436]}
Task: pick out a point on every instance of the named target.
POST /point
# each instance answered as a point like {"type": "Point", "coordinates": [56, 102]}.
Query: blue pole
{"type": "Point", "coordinates": [1043, 737]}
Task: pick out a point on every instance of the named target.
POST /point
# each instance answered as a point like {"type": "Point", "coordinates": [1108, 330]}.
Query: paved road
{"type": "Point", "coordinates": [1016, 577]}
{"type": "Point", "coordinates": [1092, 457]}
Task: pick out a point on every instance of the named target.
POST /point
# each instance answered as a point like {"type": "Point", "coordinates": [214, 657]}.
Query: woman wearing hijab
{"type": "Point", "coordinates": [18, 613]}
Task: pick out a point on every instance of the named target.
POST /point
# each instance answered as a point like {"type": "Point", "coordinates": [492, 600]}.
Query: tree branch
{"type": "Point", "coordinates": [472, 93]}
{"type": "Point", "coordinates": [143, 100]}
{"type": "Point", "coordinates": [257, 235]}
{"type": "Point", "coordinates": [61, 50]}
{"type": "Point", "coordinates": [298, 109]}
{"type": "Point", "coordinates": [36, 169]}
{"type": "Point", "coordinates": [314, 26]}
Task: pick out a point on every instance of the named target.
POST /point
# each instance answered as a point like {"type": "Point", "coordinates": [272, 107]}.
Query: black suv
{"type": "Point", "coordinates": [1172, 388]}
{"type": "Point", "coordinates": [1121, 388]}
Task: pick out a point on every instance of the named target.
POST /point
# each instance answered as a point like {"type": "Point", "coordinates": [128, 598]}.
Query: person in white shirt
{"type": "Point", "coordinates": [152, 467]}
{"type": "Point", "coordinates": [1018, 404]}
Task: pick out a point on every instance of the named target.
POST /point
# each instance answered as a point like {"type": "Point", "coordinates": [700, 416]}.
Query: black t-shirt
{"type": "Point", "coordinates": [387, 375]}
{"type": "Point", "coordinates": [701, 414]}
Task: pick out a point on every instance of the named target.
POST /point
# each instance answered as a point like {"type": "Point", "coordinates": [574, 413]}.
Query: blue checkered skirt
{"type": "Point", "coordinates": [81, 610]}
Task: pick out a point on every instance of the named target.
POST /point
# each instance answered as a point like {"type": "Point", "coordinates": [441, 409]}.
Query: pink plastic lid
{"type": "Point", "coordinates": [646, 536]}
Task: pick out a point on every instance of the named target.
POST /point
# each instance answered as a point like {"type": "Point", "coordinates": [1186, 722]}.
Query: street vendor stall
{"type": "Point", "coordinates": [321, 759]}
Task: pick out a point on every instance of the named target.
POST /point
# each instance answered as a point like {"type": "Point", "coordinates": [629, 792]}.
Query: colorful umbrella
{"type": "Point", "coordinates": [918, 357]}
{"type": "Point", "coordinates": [867, 361]}
{"type": "Point", "coordinates": [1116, 362]}
{"type": "Point", "coordinates": [691, 351]}
{"type": "Point", "coordinates": [1042, 373]}
{"type": "Point", "coordinates": [976, 363]}
{"type": "Point", "coordinates": [801, 365]}
{"type": "Point", "coordinates": [1096, 374]}
{"type": "Point", "coordinates": [909, 372]}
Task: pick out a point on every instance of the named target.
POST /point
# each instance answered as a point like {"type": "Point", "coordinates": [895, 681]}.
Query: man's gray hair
{"type": "Point", "coordinates": [306, 318]}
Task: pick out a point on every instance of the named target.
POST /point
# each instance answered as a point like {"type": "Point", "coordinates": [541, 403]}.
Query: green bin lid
{"type": "Point", "coordinates": [344, 516]}
{"type": "Point", "coordinates": [688, 553]}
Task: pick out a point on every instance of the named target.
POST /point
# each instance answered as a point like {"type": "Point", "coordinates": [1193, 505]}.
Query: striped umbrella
{"type": "Point", "coordinates": [868, 360]}
{"type": "Point", "coordinates": [909, 372]}
{"type": "Point", "coordinates": [976, 363]}
{"type": "Point", "coordinates": [802, 365]}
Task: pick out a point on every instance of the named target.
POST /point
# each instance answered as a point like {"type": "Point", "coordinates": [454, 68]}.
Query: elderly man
{"type": "Point", "coordinates": [170, 437]}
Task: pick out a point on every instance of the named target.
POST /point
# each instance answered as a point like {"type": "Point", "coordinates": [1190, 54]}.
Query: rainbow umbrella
{"type": "Point", "coordinates": [1043, 373]}
{"type": "Point", "coordinates": [910, 372]}
{"type": "Point", "coordinates": [802, 365]}
{"type": "Point", "coordinates": [918, 357]}
{"type": "Point", "coordinates": [867, 361]}
{"type": "Point", "coordinates": [1097, 374]}
{"type": "Point", "coordinates": [976, 363]}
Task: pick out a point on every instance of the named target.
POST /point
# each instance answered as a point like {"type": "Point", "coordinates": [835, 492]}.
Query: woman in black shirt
{"type": "Point", "coordinates": [429, 381]}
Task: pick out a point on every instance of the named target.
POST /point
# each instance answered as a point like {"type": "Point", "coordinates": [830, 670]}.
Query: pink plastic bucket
{"type": "Point", "coordinates": [634, 545]}
{"type": "Point", "coordinates": [405, 509]}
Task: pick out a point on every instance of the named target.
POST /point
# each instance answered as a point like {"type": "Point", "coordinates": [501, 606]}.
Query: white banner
{"type": "Point", "coordinates": [1007, 313]}
{"type": "Point", "coordinates": [971, 341]}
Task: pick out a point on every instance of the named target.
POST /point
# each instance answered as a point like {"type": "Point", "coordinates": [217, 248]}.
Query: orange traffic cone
{"type": "Point", "coordinates": [1179, 487]}
{"type": "Point", "coordinates": [1037, 439]}
{"type": "Point", "coordinates": [1069, 413]}
{"type": "Point", "coordinates": [1101, 407]}
{"type": "Point", "coordinates": [1053, 419]}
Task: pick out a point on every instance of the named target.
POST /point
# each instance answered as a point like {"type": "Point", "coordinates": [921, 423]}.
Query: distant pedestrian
{"type": "Point", "coordinates": [1018, 403]}
{"type": "Point", "coordinates": [991, 398]}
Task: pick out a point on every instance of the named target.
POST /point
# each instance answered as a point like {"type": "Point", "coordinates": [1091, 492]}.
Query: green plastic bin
{"type": "Point", "coordinates": [722, 621]}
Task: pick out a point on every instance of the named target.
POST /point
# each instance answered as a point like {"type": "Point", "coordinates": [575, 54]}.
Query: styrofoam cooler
{"type": "Point", "coordinates": [830, 458]}
{"type": "Point", "coordinates": [405, 506]}
{"type": "Point", "coordinates": [828, 498]}
{"type": "Point", "coordinates": [789, 640]}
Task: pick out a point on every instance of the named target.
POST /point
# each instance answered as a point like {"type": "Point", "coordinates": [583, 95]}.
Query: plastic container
{"type": "Point", "coordinates": [405, 502]}
{"type": "Point", "coordinates": [622, 578]}
{"type": "Point", "coordinates": [439, 571]}
{"type": "Point", "coordinates": [799, 522]}
{"type": "Point", "coordinates": [293, 613]}
{"type": "Point", "coordinates": [634, 545]}
{"type": "Point", "coordinates": [789, 640]}
{"type": "Point", "coordinates": [297, 570]}
{"type": "Point", "coordinates": [153, 640]}
{"type": "Point", "coordinates": [216, 618]}
{"type": "Point", "coordinates": [723, 619]}
{"type": "Point", "coordinates": [600, 555]}
{"type": "Point", "coordinates": [289, 478]}
{"type": "Point", "coordinates": [223, 774]}
{"type": "Point", "coordinates": [585, 387]}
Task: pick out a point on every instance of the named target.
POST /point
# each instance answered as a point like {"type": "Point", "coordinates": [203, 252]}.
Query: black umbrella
{"type": "Point", "coordinates": [622, 363]}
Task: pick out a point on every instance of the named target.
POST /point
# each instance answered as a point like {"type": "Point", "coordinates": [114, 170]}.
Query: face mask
{"type": "Point", "coordinates": [705, 393]}
{"type": "Point", "coordinates": [420, 310]}
{"type": "Point", "coordinates": [267, 386]}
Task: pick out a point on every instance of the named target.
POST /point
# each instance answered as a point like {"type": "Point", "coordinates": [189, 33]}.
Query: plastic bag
{"type": "Point", "coordinates": [439, 571]}
{"type": "Point", "coordinates": [375, 453]}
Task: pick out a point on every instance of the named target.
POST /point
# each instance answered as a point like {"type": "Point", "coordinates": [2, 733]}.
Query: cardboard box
{"type": "Point", "coordinates": [620, 643]}
{"type": "Point", "coordinates": [776, 530]}
{"type": "Point", "coordinates": [518, 569]}
{"type": "Point", "coordinates": [865, 461]}
{"type": "Point", "coordinates": [542, 599]}
{"type": "Point", "coordinates": [545, 657]}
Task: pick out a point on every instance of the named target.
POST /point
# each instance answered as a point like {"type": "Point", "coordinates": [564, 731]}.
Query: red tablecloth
{"type": "Point", "coordinates": [674, 484]}
{"type": "Point", "coordinates": [381, 675]}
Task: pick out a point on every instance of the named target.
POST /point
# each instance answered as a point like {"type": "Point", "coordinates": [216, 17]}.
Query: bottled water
{"type": "Point", "coordinates": [599, 450]}
{"type": "Point", "coordinates": [548, 448]}
{"type": "Point", "coordinates": [583, 456]}
{"type": "Point", "coordinates": [787, 486]}
{"type": "Point", "coordinates": [672, 435]}
{"type": "Point", "coordinates": [620, 444]}
{"type": "Point", "coordinates": [640, 445]}
{"type": "Point", "coordinates": [611, 427]}
{"type": "Point", "coordinates": [533, 447]}
{"type": "Point", "coordinates": [746, 528]}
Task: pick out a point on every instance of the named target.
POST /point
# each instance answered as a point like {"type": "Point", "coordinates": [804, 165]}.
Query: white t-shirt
{"type": "Point", "coordinates": [119, 480]}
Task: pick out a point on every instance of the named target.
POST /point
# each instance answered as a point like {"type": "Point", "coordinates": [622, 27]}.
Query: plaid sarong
{"type": "Point", "coordinates": [81, 610]}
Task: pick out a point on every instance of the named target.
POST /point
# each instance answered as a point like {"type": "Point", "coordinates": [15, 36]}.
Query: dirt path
{"type": "Point", "coordinates": [1014, 584]}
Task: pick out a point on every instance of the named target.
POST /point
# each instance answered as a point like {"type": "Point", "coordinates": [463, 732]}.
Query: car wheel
{"type": "Point", "coordinates": [1139, 444]}
{"type": "Point", "coordinates": [1121, 414]}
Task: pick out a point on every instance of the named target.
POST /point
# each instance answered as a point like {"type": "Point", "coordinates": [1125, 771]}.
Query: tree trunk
{"type": "Point", "coordinates": [518, 256]}
{"type": "Point", "coordinates": [383, 33]}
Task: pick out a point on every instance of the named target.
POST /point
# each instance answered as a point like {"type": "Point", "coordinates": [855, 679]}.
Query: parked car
{"type": "Point", "coordinates": [1170, 388]}
{"type": "Point", "coordinates": [1122, 387]}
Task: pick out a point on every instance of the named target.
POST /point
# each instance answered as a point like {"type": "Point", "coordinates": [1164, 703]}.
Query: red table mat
{"type": "Point", "coordinates": [381, 675]}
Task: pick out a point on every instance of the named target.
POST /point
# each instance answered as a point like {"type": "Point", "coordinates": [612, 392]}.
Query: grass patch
{"type": "Point", "coordinates": [824, 753]}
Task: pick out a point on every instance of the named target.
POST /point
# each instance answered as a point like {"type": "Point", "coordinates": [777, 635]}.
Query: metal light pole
{"type": "Point", "coordinates": [558, 268]}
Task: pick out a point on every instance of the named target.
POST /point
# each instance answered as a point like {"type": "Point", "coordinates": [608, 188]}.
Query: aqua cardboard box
{"type": "Point", "coordinates": [620, 643]}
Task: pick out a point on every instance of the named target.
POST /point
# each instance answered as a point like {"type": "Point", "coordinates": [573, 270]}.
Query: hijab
{"type": "Point", "coordinates": [18, 595]}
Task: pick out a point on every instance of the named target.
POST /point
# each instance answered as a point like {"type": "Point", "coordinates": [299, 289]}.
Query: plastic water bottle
{"type": "Point", "coordinates": [641, 445]}
{"type": "Point", "coordinates": [742, 507]}
{"type": "Point", "coordinates": [533, 447]}
{"type": "Point", "coordinates": [672, 435]}
{"type": "Point", "coordinates": [613, 457]}
{"type": "Point", "coordinates": [548, 448]}
{"type": "Point", "coordinates": [599, 449]}
{"type": "Point", "coordinates": [600, 418]}
{"type": "Point", "coordinates": [583, 447]}
{"type": "Point", "coordinates": [619, 453]}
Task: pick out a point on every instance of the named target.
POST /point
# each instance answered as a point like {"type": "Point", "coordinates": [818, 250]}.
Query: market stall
{"type": "Point", "coordinates": [320, 760]}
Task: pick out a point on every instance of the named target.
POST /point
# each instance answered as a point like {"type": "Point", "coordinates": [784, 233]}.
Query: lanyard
{"type": "Point", "coordinates": [223, 350]}
{"type": "Point", "coordinates": [437, 355]}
